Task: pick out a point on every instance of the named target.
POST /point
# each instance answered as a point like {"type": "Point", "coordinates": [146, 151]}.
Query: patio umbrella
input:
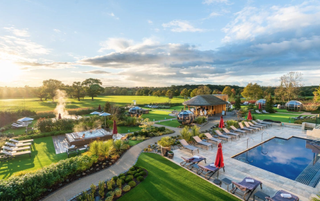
{"type": "Point", "coordinates": [219, 158]}
{"type": "Point", "coordinates": [59, 116]}
{"type": "Point", "coordinates": [115, 129]}
{"type": "Point", "coordinates": [95, 113]}
{"type": "Point", "coordinates": [104, 114]}
{"type": "Point", "coordinates": [221, 124]}
{"type": "Point", "coordinates": [99, 108]}
{"type": "Point", "coordinates": [26, 121]}
{"type": "Point", "coordinates": [249, 115]}
{"type": "Point", "coordinates": [259, 106]}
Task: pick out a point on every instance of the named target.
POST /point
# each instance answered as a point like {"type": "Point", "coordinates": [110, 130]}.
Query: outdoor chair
{"type": "Point", "coordinates": [252, 127]}
{"type": "Point", "coordinates": [21, 141]}
{"type": "Point", "coordinates": [215, 140]}
{"type": "Point", "coordinates": [17, 145]}
{"type": "Point", "coordinates": [265, 112]}
{"type": "Point", "coordinates": [208, 171]}
{"type": "Point", "coordinates": [238, 130]}
{"type": "Point", "coordinates": [15, 125]}
{"type": "Point", "coordinates": [266, 125]}
{"type": "Point", "coordinates": [222, 136]}
{"type": "Point", "coordinates": [16, 148]}
{"type": "Point", "coordinates": [230, 133]}
{"type": "Point", "coordinates": [264, 122]}
{"type": "Point", "coordinates": [257, 111]}
{"type": "Point", "coordinates": [256, 125]}
{"type": "Point", "coordinates": [202, 143]}
{"type": "Point", "coordinates": [247, 186]}
{"type": "Point", "coordinates": [283, 196]}
{"type": "Point", "coordinates": [245, 128]}
{"type": "Point", "coordinates": [187, 146]}
{"type": "Point", "coordinates": [190, 162]}
{"type": "Point", "coordinates": [298, 117]}
{"type": "Point", "coordinates": [16, 153]}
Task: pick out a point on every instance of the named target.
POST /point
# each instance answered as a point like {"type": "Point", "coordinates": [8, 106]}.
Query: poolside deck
{"type": "Point", "coordinates": [237, 170]}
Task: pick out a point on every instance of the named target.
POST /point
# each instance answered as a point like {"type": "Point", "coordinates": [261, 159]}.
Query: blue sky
{"type": "Point", "coordinates": [159, 43]}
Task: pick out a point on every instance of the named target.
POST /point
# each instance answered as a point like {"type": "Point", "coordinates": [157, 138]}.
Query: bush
{"type": "Point", "coordinates": [143, 173]}
{"type": "Point", "coordinates": [140, 178]}
{"type": "Point", "coordinates": [132, 184]}
{"type": "Point", "coordinates": [132, 169]}
{"type": "Point", "coordinates": [136, 175]}
{"type": "Point", "coordinates": [126, 188]}
{"type": "Point", "coordinates": [122, 177]}
{"type": "Point", "coordinates": [109, 198]}
{"type": "Point", "coordinates": [118, 192]}
{"type": "Point", "coordinates": [201, 120]}
{"type": "Point", "coordinates": [166, 142]}
{"type": "Point", "coordinates": [129, 178]}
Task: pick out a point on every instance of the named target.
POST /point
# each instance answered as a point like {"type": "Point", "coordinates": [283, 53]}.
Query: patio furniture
{"type": "Point", "coordinates": [262, 124]}
{"type": "Point", "coordinates": [283, 196]}
{"type": "Point", "coordinates": [245, 128]}
{"type": "Point", "coordinates": [187, 146]}
{"type": "Point", "coordinates": [21, 141]}
{"type": "Point", "coordinates": [217, 182]}
{"type": "Point", "coordinates": [238, 130]}
{"type": "Point", "coordinates": [17, 145]}
{"type": "Point", "coordinates": [247, 186]}
{"type": "Point", "coordinates": [265, 112]}
{"type": "Point", "coordinates": [230, 133]}
{"type": "Point", "coordinates": [260, 195]}
{"type": "Point", "coordinates": [72, 149]}
{"type": "Point", "coordinates": [227, 182]}
{"type": "Point", "coordinates": [14, 153]}
{"type": "Point", "coordinates": [202, 143]}
{"type": "Point", "coordinates": [257, 111]}
{"type": "Point", "coordinates": [15, 125]}
{"type": "Point", "coordinates": [256, 125]}
{"type": "Point", "coordinates": [252, 127]}
{"type": "Point", "coordinates": [189, 162]}
{"type": "Point", "coordinates": [220, 135]}
{"type": "Point", "coordinates": [208, 171]}
{"type": "Point", "coordinates": [215, 140]}
{"type": "Point", "coordinates": [298, 117]}
{"type": "Point", "coordinates": [16, 148]}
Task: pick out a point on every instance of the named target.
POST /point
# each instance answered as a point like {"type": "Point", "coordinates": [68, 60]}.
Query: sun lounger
{"type": "Point", "coordinates": [265, 112]}
{"type": "Point", "coordinates": [245, 128]}
{"type": "Point", "coordinates": [189, 162]}
{"type": "Point", "coordinates": [262, 124]}
{"type": "Point", "coordinates": [17, 145]}
{"type": "Point", "coordinates": [238, 130]}
{"type": "Point", "coordinates": [230, 133]}
{"type": "Point", "coordinates": [202, 143]}
{"type": "Point", "coordinates": [15, 125]}
{"type": "Point", "coordinates": [246, 187]}
{"type": "Point", "coordinates": [16, 148]}
{"type": "Point", "coordinates": [187, 146]}
{"type": "Point", "coordinates": [256, 125]}
{"type": "Point", "coordinates": [283, 196]}
{"type": "Point", "coordinates": [257, 111]}
{"type": "Point", "coordinates": [251, 127]}
{"type": "Point", "coordinates": [16, 153]}
{"type": "Point", "coordinates": [298, 117]}
{"type": "Point", "coordinates": [20, 141]}
{"type": "Point", "coordinates": [215, 140]}
{"type": "Point", "coordinates": [221, 136]}
{"type": "Point", "coordinates": [208, 171]}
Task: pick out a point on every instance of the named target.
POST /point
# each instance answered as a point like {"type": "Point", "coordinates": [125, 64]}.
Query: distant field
{"type": "Point", "coordinates": [276, 117]}
{"type": "Point", "coordinates": [36, 105]}
{"type": "Point", "coordinates": [173, 123]}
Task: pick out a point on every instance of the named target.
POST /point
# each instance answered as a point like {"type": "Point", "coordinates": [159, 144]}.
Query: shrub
{"type": "Point", "coordinates": [126, 188]}
{"type": "Point", "coordinates": [132, 184]}
{"type": "Point", "coordinates": [118, 192]}
{"type": "Point", "coordinates": [166, 142]}
{"type": "Point", "coordinates": [132, 169]}
{"type": "Point", "coordinates": [101, 188]}
{"type": "Point", "coordinates": [129, 178]}
{"type": "Point", "coordinates": [122, 177]}
{"type": "Point", "coordinates": [109, 198]}
{"type": "Point", "coordinates": [93, 188]}
{"type": "Point", "coordinates": [201, 120]}
{"type": "Point", "coordinates": [119, 183]}
{"type": "Point", "coordinates": [133, 138]}
{"type": "Point", "coordinates": [136, 175]}
{"type": "Point", "coordinates": [140, 178]}
{"type": "Point", "coordinates": [186, 134]}
{"type": "Point", "coordinates": [131, 172]}
{"type": "Point", "coordinates": [143, 173]}
{"type": "Point", "coordinates": [110, 184]}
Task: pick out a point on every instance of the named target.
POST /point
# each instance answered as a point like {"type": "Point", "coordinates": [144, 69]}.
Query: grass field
{"type": "Point", "coordinates": [126, 129]}
{"type": "Point", "coordinates": [173, 123]}
{"type": "Point", "coordinates": [169, 181]}
{"type": "Point", "coordinates": [276, 117]}
{"type": "Point", "coordinates": [134, 142]}
{"type": "Point", "coordinates": [156, 115]}
{"type": "Point", "coordinates": [36, 105]}
{"type": "Point", "coordinates": [42, 154]}
{"type": "Point", "coordinates": [289, 112]}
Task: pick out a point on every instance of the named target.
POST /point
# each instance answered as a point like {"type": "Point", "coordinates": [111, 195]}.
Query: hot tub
{"type": "Point", "coordinates": [86, 137]}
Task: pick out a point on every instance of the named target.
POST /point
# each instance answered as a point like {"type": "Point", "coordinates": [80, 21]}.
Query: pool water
{"type": "Point", "coordinates": [295, 158]}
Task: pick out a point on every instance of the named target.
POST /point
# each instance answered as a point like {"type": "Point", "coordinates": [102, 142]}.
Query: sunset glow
{"type": "Point", "coordinates": [8, 71]}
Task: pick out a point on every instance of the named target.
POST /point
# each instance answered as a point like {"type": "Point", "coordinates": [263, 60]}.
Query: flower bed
{"type": "Point", "coordinates": [114, 188]}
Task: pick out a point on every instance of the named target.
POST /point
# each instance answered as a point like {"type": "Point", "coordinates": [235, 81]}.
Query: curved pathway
{"type": "Point", "coordinates": [122, 165]}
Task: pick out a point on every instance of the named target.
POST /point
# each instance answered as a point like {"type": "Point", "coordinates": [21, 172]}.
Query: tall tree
{"type": "Point", "coordinates": [252, 91]}
{"type": "Point", "coordinates": [51, 86]}
{"type": "Point", "coordinates": [184, 93]}
{"type": "Point", "coordinates": [77, 90]}
{"type": "Point", "coordinates": [216, 91]}
{"type": "Point", "coordinates": [316, 94]}
{"type": "Point", "coordinates": [93, 87]}
{"type": "Point", "coordinates": [39, 92]}
{"type": "Point", "coordinates": [291, 82]}
{"type": "Point", "coordinates": [269, 104]}
{"type": "Point", "coordinates": [227, 90]}
{"type": "Point", "coordinates": [237, 104]}
{"type": "Point", "coordinates": [169, 94]}
{"type": "Point", "coordinates": [203, 90]}
{"type": "Point", "coordinates": [194, 92]}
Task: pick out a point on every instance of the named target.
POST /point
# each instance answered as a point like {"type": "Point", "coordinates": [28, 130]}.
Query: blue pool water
{"type": "Point", "coordinates": [294, 158]}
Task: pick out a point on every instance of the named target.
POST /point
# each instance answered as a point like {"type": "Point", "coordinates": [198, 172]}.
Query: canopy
{"type": "Point", "coordinates": [25, 119]}
{"type": "Point", "coordinates": [115, 129]}
{"type": "Point", "coordinates": [95, 112]}
{"type": "Point", "coordinates": [219, 158]}
{"type": "Point", "coordinates": [221, 124]}
{"type": "Point", "coordinates": [249, 115]}
{"type": "Point", "coordinates": [104, 114]}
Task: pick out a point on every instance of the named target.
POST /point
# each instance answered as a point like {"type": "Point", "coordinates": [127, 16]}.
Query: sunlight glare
{"type": "Point", "coordinates": [8, 71]}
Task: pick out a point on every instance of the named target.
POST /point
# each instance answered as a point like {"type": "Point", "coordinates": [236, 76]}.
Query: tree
{"type": "Point", "coordinates": [184, 93]}
{"type": "Point", "coordinates": [93, 87]}
{"type": "Point", "coordinates": [216, 91]}
{"type": "Point", "coordinates": [78, 90]}
{"type": "Point", "coordinates": [291, 84]}
{"type": "Point", "coordinates": [252, 91]}
{"type": "Point", "coordinates": [237, 104]}
{"type": "Point", "coordinates": [123, 91]}
{"type": "Point", "coordinates": [193, 92]}
{"type": "Point", "coordinates": [107, 107]}
{"type": "Point", "coordinates": [316, 94]}
{"type": "Point", "coordinates": [50, 87]}
{"type": "Point", "coordinates": [269, 104]}
{"type": "Point", "coordinates": [39, 92]}
{"type": "Point", "coordinates": [227, 90]}
{"type": "Point", "coordinates": [203, 90]}
{"type": "Point", "coordinates": [169, 94]}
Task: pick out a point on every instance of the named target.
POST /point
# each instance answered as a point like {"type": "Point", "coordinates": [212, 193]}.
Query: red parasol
{"type": "Point", "coordinates": [219, 158]}
{"type": "Point", "coordinates": [115, 129]}
{"type": "Point", "coordinates": [259, 106]}
{"type": "Point", "coordinates": [221, 124]}
{"type": "Point", "coordinates": [99, 108]}
{"type": "Point", "coordinates": [249, 115]}
{"type": "Point", "coordinates": [59, 116]}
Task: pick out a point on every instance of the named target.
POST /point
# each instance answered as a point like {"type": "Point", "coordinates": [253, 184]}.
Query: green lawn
{"type": "Point", "coordinates": [42, 154]}
{"type": "Point", "coordinates": [276, 117]}
{"type": "Point", "coordinates": [36, 105]}
{"type": "Point", "coordinates": [125, 129]}
{"type": "Point", "coordinates": [289, 112]}
{"type": "Point", "coordinates": [134, 142]}
{"type": "Point", "coordinates": [20, 131]}
{"type": "Point", "coordinates": [173, 123]}
{"type": "Point", "coordinates": [169, 181]}
{"type": "Point", "coordinates": [156, 115]}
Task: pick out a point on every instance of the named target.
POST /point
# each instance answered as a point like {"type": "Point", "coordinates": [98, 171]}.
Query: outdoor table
{"type": "Point", "coordinates": [260, 195]}
{"type": "Point", "coordinates": [217, 182]}
{"type": "Point", "coordinates": [227, 182]}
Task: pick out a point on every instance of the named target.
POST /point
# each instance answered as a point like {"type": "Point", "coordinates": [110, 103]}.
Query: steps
{"type": "Point", "coordinates": [310, 175]}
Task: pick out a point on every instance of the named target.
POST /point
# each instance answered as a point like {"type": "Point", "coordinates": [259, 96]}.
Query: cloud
{"type": "Point", "coordinates": [17, 32]}
{"type": "Point", "coordinates": [57, 30]}
{"type": "Point", "coordinates": [26, 65]}
{"type": "Point", "coordinates": [117, 44]}
{"type": "Point", "coordinates": [96, 72]}
{"type": "Point", "coordinates": [114, 16]}
{"type": "Point", "coordinates": [181, 26]}
{"type": "Point", "coordinates": [215, 1]}
{"type": "Point", "coordinates": [150, 22]}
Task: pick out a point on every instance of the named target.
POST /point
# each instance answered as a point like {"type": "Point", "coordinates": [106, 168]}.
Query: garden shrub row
{"type": "Point", "coordinates": [8, 117]}
{"type": "Point", "coordinates": [146, 133]}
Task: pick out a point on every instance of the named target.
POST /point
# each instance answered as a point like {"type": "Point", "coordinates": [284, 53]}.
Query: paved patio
{"type": "Point", "coordinates": [237, 170]}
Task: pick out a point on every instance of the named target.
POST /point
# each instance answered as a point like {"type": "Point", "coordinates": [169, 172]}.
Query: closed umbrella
{"type": "Point", "coordinates": [221, 124]}
{"type": "Point", "coordinates": [105, 118]}
{"type": "Point", "coordinates": [259, 106]}
{"type": "Point", "coordinates": [115, 129]}
{"type": "Point", "coordinates": [249, 115]}
{"type": "Point", "coordinates": [219, 158]}
{"type": "Point", "coordinates": [59, 116]}
{"type": "Point", "coordinates": [99, 108]}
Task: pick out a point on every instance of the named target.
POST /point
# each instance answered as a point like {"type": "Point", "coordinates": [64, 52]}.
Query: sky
{"type": "Point", "coordinates": [159, 43]}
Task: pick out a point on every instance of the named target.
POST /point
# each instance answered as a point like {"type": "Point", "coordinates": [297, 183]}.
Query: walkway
{"type": "Point", "coordinates": [122, 165]}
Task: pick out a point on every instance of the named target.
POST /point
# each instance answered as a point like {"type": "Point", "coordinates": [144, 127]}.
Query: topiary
{"type": "Point", "coordinates": [136, 175]}
{"type": "Point", "coordinates": [115, 178]}
{"type": "Point", "coordinates": [131, 172]}
{"type": "Point", "coordinates": [132, 184]}
{"type": "Point", "coordinates": [132, 169]}
{"type": "Point", "coordinates": [120, 175]}
{"type": "Point", "coordinates": [126, 188]}
{"type": "Point", "coordinates": [140, 178]}
{"type": "Point", "coordinates": [110, 194]}
{"type": "Point", "coordinates": [142, 173]}
{"type": "Point", "coordinates": [118, 192]}
{"type": "Point", "coordinates": [129, 178]}
{"type": "Point", "coordinates": [123, 177]}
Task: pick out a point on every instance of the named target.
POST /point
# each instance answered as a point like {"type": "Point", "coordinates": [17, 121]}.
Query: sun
{"type": "Point", "coordinates": [8, 71]}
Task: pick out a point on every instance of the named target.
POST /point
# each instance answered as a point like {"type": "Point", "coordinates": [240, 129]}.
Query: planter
{"type": "Point", "coordinates": [170, 155]}
{"type": "Point", "coordinates": [164, 150]}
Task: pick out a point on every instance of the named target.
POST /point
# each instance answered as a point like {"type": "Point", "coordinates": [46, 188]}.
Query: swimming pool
{"type": "Point", "coordinates": [293, 158]}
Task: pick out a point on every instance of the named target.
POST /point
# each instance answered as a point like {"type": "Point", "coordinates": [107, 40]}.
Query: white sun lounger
{"type": "Point", "coordinates": [238, 130]}
{"type": "Point", "coordinates": [17, 145]}
{"type": "Point", "coordinates": [16, 153]}
{"type": "Point", "coordinates": [213, 139]}
{"type": "Point", "coordinates": [265, 112]}
{"type": "Point", "coordinates": [202, 143]}
{"type": "Point", "coordinates": [223, 137]}
{"type": "Point", "coordinates": [20, 141]}
{"type": "Point", "coordinates": [253, 127]}
{"type": "Point", "coordinates": [245, 128]}
{"type": "Point", "coordinates": [16, 148]}
{"type": "Point", "coordinates": [257, 111]}
{"type": "Point", "coordinates": [264, 122]}
{"type": "Point", "coordinates": [230, 133]}
{"type": "Point", "coordinates": [256, 125]}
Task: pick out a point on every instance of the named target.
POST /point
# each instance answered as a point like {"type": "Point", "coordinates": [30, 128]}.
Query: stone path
{"type": "Point", "coordinates": [122, 165]}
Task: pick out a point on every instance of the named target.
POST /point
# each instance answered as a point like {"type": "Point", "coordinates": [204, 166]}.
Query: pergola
{"type": "Point", "coordinates": [212, 104]}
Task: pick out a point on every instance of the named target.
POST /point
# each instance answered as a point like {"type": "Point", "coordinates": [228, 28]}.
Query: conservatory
{"type": "Point", "coordinates": [186, 117]}
{"type": "Point", "coordinates": [294, 105]}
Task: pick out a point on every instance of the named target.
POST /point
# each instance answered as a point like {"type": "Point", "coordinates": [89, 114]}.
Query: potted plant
{"type": "Point", "coordinates": [165, 144]}
{"type": "Point", "coordinates": [170, 154]}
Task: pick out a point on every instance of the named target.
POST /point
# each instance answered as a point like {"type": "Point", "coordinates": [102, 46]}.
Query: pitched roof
{"type": "Point", "coordinates": [205, 100]}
